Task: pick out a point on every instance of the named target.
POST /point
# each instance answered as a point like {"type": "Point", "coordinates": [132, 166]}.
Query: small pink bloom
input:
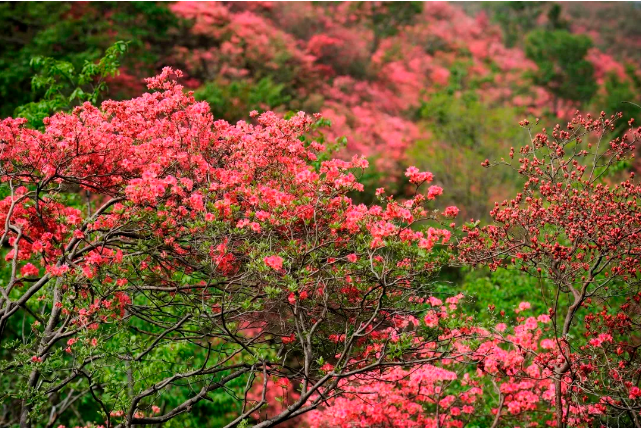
{"type": "Point", "coordinates": [451, 212]}
{"type": "Point", "coordinates": [327, 367]}
{"type": "Point", "coordinates": [544, 318]}
{"type": "Point", "coordinates": [274, 262]}
{"type": "Point", "coordinates": [531, 323]}
{"type": "Point", "coordinates": [434, 191]}
{"type": "Point", "coordinates": [289, 339]}
{"type": "Point", "coordinates": [29, 270]}
{"type": "Point", "coordinates": [547, 344]}
{"type": "Point", "coordinates": [431, 319]}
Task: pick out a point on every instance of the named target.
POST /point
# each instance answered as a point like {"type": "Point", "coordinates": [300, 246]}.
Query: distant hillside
{"type": "Point", "coordinates": [432, 84]}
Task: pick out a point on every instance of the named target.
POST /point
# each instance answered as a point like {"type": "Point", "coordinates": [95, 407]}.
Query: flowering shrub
{"type": "Point", "coordinates": [580, 237]}
{"type": "Point", "coordinates": [151, 245]}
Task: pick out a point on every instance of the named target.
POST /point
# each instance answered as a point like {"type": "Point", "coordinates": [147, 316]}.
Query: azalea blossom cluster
{"type": "Point", "coordinates": [237, 244]}
{"type": "Point", "coordinates": [503, 376]}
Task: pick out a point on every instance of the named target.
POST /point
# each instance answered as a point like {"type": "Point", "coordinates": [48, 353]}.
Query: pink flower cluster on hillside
{"type": "Point", "coordinates": [324, 50]}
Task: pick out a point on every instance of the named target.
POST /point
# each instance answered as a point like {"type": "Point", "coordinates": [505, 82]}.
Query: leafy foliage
{"type": "Point", "coordinates": [465, 131]}
{"type": "Point", "coordinates": [234, 100]}
{"type": "Point", "coordinates": [562, 65]}
{"type": "Point", "coordinates": [63, 87]}
{"type": "Point", "coordinates": [76, 33]}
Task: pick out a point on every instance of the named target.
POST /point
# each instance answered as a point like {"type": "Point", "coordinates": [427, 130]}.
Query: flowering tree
{"type": "Point", "coordinates": [581, 238]}
{"type": "Point", "coordinates": [150, 248]}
